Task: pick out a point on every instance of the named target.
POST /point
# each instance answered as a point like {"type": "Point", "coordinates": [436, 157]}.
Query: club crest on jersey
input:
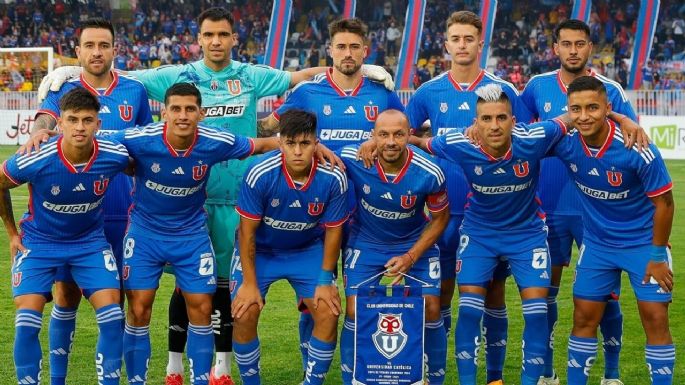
{"type": "Point", "coordinates": [199, 171]}
{"type": "Point", "coordinates": [547, 107]}
{"type": "Point", "coordinates": [125, 112]}
{"type": "Point", "coordinates": [233, 86]}
{"type": "Point", "coordinates": [327, 109]}
{"type": "Point", "coordinates": [478, 170]}
{"type": "Point", "coordinates": [615, 178]}
{"type": "Point", "coordinates": [521, 169]}
{"type": "Point", "coordinates": [315, 208]}
{"type": "Point", "coordinates": [389, 339]}
{"type": "Point", "coordinates": [407, 201]}
{"type": "Point", "coordinates": [371, 113]}
{"type": "Point", "coordinates": [54, 190]}
{"type": "Point", "coordinates": [367, 189]}
{"type": "Point", "coordinates": [16, 279]}
{"type": "Point", "coordinates": [214, 85]}
{"type": "Point", "coordinates": [100, 186]}
{"type": "Point", "coordinates": [275, 202]}
{"type": "Point", "coordinates": [443, 107]}
{"type": "Point", "coordinates": [155, 168]}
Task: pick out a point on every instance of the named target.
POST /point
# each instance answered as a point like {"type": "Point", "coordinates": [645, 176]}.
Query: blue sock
{"type": "Point", "coordinates": [137, 352]}
{"type": "Point", "coordinates": [320, 356]}
{"type": "Point", "coordinates": [467, 336]}
{"type": "Point", "coordinates": [436, 351]}
{"type": "Point", "coordinates": [110, 344]}
{"type": "Point", "coordinates": [552, 318]}
{"type": "Point", "coordinates": [347, 351]}
{"type": "Point", "coordinates": [495, 332]}
{"type": "Point", "coordinates": [534, 348]}
{"type": "Point", "coordinates": [446, 312]}
{"type": "Point", "coordinates": [27, 352]}
{"type": "Point", "coordinates": [611, 326]}
{"type": "Point", "coordinates": [306, 326]}
{"type": "Point", "coordinates": [581, 356]}
{"type": "Point", "coordinates": [60, 338]}
{"type": "Point", "coordinates": [200, 352]}
{"type": "Point", "coordinates": [660, 361]}
{"type": "Point", "coordinates": [247, 357]}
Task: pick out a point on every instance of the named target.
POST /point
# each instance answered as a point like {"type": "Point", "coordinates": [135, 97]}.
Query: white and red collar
{"type": "Point", "coordinates": [403, 170]}
{"type": "Point", "coordinates": [562, 85]}
{"type": "Point", "coordinates": [289, 180]}
{"type": "Point", "coordinates": [471, 86]}
{"type": "Point", "coordinates": [70, 166]}
{"type": "Point", "coordinates": [171, 148]}
{"type": "Point", "coordinates": [491, 158]}
{"type": "Point", "coordinates": [605, 146]}
{"type": "Point", "coordinates": [94, 91]}
{"type": "Point", "coordinates": [338, 89]}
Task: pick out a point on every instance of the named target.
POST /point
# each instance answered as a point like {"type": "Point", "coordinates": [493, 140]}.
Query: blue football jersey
{"type": "Point", "coordinates": [390, 208]}
{"type": "Point", "coordinates": [615, 185]}
{"type": "Point", "coordinates": [449, 105]}
{"type": "Point", "coordinates": [124, 104]}
{"type": "Point", "coordinates": [342, 118]}
{"type": "Point", "coordinates": [170, 185]}
{"type": "Point", "coordinates": [65, 200]}
{"type": "Point", "coordinates": [545, 97]}
{"type": "Point", "coordinates": [503, 190]}
{"type": "Point", "coordinates": [293, 216]}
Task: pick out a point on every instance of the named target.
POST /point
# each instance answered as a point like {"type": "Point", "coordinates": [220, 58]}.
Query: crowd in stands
{"type": "Point", "coordinates": [159, 32]}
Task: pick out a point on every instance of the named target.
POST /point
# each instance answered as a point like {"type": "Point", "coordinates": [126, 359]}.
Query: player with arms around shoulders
{"type": "Point", "coordinates": [627, 216]}
{"type": "Point", "coordinates": [64, 227]}
{"type": "Point", "coordinates": [292, 212]}
{"type": "Point", "coordinates": [390, 231]}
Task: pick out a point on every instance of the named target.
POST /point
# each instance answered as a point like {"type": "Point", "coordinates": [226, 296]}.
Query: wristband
{"type": "Point", "coordinates": [326, 278]}
{"type": "Point", "coordinates": [411, 257]}
{"type": "Point", "coordinates": [658, 254]}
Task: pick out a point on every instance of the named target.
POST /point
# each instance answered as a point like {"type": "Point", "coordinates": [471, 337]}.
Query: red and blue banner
{"type": "Point", "coordinates": [646, 25]}
{"type": "Point", "coordinates": [350, 9]}
{"type": "Point", "coordinates": [488, 9]}
{"type": "Point", "coordinates": [278, 33]}
{"type": "Point", "coordinates": [411, 43]}
{"type": "Point", "coordinates": [581, 10]}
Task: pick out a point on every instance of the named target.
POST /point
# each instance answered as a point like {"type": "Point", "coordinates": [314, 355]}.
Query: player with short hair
{"type": "Point", "coordinates": [545, 97]}
{"type": "Point", "coordinates": [390, 232]}
{"type": "Point", "coordinates": [292, 212]}
{"type": "Point", "coordinates": [627, 216]}
{"type": "Point", "coordinates": [124, 104]}
{"type": "Point", "coordinates": [64, 227]}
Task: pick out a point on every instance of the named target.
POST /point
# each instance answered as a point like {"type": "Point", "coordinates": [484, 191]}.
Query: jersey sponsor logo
{"type": "Point", "coordinates": [521, 169]}
{"type": "Point", "coordinates": [226, 110]}
{"type": "Point", "coordinates": [443, 107]}
{"type": "Point", "coordinates": [125, 112]}
{"type": "Point", "coordinates": [407, 201]}
{"type": "Point", "coordinates": [173, 191]}
{"type": "Point", "coordinates": [100, 186]}
{"type": "Point", "coordinates": [351, 135]}
{"type": "Point", "coordinates": [389, 338]}
{"type": "Point", "coordinates": [492, 190]}
{"type": "Point", "coordinates": [54, 190]}
{"type": "Point", "coordinates": [603, 195]}
{"type": "Point", "coordinates": [233, 86]}
{"type": "Point", "coordinates": [615, 178]}
{"type": "Point", "coordinates": [78, 208]}
{"type": "Point", "coordinates": [327, 109]}
{"type": "Point", "coordinates": [288, 226]}
{"type": "Point", "coordinates": [16, 279]}
{"type": "Point", "coordinates": [385, 214]}
{"type": "Point", "coordinates": [199, 171]}
{"type": "Point", "coordinates": [315, 208]}
{"type": "Point", "coordinates": [371, 113]}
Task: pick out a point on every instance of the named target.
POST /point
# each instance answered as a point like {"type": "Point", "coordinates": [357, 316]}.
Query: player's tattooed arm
{"type": "Point", "coordinates": [658, 267]}
{"type": "Point", "coordinates": [44, 122]}
{"type": "Point", "coordinates": [7, 215]}
{"type": "Point", "coordinates": [248, 293]}
{"type": "Point", "coordinates": [267, 127]}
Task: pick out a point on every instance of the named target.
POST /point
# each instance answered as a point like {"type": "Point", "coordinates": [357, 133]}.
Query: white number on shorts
{"type": "Point", "coordinates": [128, 247]}
{"type": "Point", "coordinates": [463, 243]}
{"type": "Point", "coordinates": [581, 251]}
{"type": "Point", "coordinates": [354, 254]}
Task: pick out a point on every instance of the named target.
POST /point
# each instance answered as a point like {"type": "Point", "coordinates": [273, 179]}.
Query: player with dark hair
{"type": "Point", "coordinates": [64, 228]}
{"type": "Point", "coordinates": [292, 212]}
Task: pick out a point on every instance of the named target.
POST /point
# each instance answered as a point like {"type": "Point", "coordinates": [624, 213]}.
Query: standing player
{"type": "Point", "coordinates": [64, 227]}
{"type": "Point", "coordinates": [292, 211]}
{"type": "Point", "coordinates": [124, 104]}
{"type": "Point", "coordinates": [448, 102]}
{"type": "Point", "coordinates": [390, 231]}
{"type": "Point", "coordinates": [630, 190]}
{"type": "Point", "coordinates": [545, 97]}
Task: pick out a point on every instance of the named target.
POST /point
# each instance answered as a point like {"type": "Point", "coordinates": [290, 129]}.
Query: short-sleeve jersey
{"type": "Point", "coordinates": [615, 185]}
{"type": "Point", "coordinates": [343, 117]}
{"type": "Point", "coordinates": [170, 185]}
{"type": "Point", "coordinates": [545, 96]}
{"type": "Point", "coordinates": [123, 104]}
{"type": "Point", "coordinates": [449, 105]}
{"type": "Point", "coordinates": [503, 190]}
{"type": "Point", "coordinates": [65, 200]}
{"type": "Point", "coordinates": [229, 98]}
{"type": "Point", "coordinates": [293, 216]}
{"type": "Point", "coordinates": [390, 208]}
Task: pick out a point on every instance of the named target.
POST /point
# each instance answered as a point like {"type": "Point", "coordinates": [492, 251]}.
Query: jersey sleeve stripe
{"type": "Point", "coordinates": [259, 170]}
{"type": "Point", "coordinates": [562, 125]}
{"type": "Point", "coordinates": [337, 174]}
{"type": "Point", "coordinates": [349, 153]}
{"type": "Point", "coordinates": [430, 168]}
{"type": "Point", "coordinates": [429, 146]}
{"type": "Point", "coordinates": [247, 215]}
{"type": "Point", "coordinates": [7, 173]}
{"type": "Point", "coordinates": [51, 113]}
{"type": "Point", "coordinates": [216, 137]}
{"type": "Point", "coordinates": [337, 223]}
{"type": "Point", "coordinates": [660, 191]}
{"type": "Point", "coordinates": [22, 163]}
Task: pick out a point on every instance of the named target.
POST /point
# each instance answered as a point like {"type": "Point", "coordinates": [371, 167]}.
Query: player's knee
{"type": "Point", "coordinates": [138, 313]}
{"type": "Point", "coordinates": [446, 291]}
{"type": "Point", "coordinates": [656, 323]}
{"type": "Point", "coordinates": [585, 320]}
{"type": "Point", "coordinates": [248, 319]}
{"type": "Point", "coordinates": [324, 317]}
{"type": "Point", "coordinates": [67, 294]}
{"type": "Point", "coordinates": [495, 295]}
{"type": "Point", "coordinates": [432, 308]}
{"type": "Point", "coordinates": [349, 307]}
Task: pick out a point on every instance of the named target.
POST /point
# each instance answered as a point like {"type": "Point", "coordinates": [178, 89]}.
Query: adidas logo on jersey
{"type": "Point", "coordinates": [79, 188]}
{"type": "Point", "coordinates": [295, 204]}
{"type": "Point", "coordinates": [464, 107]}
{"type": "Point", "coordinates": [350, 110]}
{"type": "Point", "coordinates": [387, 195]}
{"type": "Point", "coordinates": [499, 171]}
{"type": "Point", "coordinates": [105, 110]}
{"type": "Point", "coordinates": [178, 171]}
{"type": "Point", "coordinates": [593, 172]}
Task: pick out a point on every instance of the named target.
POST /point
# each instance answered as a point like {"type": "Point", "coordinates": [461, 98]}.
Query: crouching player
{"type": "Point", "coordinates": [292, 211]}
{"type": "Point", "coordinates": [64, 228]}
{"type": "Point", "coordinates": [390, 231]}
{"type": "Point", "coordinates": [628, 211]}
